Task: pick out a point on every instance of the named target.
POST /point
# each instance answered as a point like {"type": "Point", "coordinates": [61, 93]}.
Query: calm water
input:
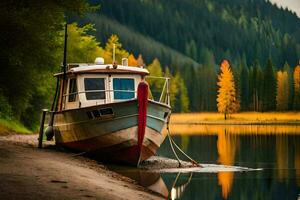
{"type": "Point", "coordinates": [276, 150]}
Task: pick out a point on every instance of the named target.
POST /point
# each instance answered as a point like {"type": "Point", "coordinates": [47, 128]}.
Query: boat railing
{"type": "Point", "coordinates": [159, 89]}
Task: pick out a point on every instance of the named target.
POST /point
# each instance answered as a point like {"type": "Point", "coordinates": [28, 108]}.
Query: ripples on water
{"type": "Point", "coordinates": [276, 149]}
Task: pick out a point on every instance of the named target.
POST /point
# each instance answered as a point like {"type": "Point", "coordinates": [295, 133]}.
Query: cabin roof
{"type": "Point", "coordinates": [103, 69]}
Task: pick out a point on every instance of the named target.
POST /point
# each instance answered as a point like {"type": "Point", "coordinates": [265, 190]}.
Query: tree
{"type": "Point", "coordinates": [132, 61]}
{"type": "Point", "coordinates": [256, 86]}
{"type": "Point", "coordinates": [31, 47]}
{"type": "Point", "coordinates": [296, 104]}
{"type": "Point", "coordinates": [155, 84]}
{"type": "Point", "coordinates": [289, 71]}
{"type": "Point", "coordinates": [208, 81]}
{"type": "Point", "coordinates": [269, 88]}
{"type": "Point", "coordinates": [226, 100]}
{"type": "Point", "coordinates": [244, 87]}
{"type": "Point", "coordinates": [140, 61]}
{"type": "Point", "coordinates": [182, 99]}
{"type": "Point", "coordinates": [82, 47]}
{"type": "Point", "coordinates": [191, 49]}
{"type": "Point", "coordinates": [113, 42]}
{"type": "Point", "coordinates": [172, 86]}
{"type": "Point", "coordinates": [282, 97]}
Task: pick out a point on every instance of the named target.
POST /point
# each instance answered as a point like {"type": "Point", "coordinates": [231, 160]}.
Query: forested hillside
{"type": "Point", "coordinates": [254, 28]}
{"type": "Point", "coordinates": [193, 36]}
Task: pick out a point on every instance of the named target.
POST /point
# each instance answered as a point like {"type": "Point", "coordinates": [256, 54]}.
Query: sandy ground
{"type": "Point", "coordinates": [27, 172]}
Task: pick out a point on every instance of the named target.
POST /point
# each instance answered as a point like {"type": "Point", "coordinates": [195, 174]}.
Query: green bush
{"type": "Point", "coordinates": [5, 107]}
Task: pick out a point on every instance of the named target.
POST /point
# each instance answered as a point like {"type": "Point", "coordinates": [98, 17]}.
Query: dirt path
{"type": "Point", "coordinates": [30, 173]}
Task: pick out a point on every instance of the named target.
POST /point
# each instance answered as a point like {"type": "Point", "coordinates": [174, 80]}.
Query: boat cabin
{"type": "Point", "coordinates": [93, 84]}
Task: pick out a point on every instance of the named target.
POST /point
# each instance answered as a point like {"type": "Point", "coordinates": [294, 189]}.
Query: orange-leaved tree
{"type": "Point", "coordinates": [282, 96]}
{"type": "Point", "coordinates": [227, 98]}
{"type": "Point", "coordinates": [296, 104]}
{"type": "Point", "coordinates": [132, 61]}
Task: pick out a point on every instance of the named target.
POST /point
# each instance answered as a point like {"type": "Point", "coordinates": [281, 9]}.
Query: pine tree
{"type": "Point", "coordinates": [296, 103]}
{"type": "Point", "coordinates": [227, 100]}
{"type": "Point", "coordinates": [282, 96]}
{"type": "Point", "coordinates": [269, 88]}
{"type": "Point", "coordinates": [257, 87]}
{"type": "Point", "coordinates": [208, 81]}
{"type": "Point", "coordinates": [244, 87]}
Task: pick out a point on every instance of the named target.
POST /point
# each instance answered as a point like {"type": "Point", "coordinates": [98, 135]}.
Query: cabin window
{"type": "Point", "coordinates": [123, 88]}
{"type": "Point", "coordinates": [72, 90]}
{"type": "Point", "coordinates": [94, 88]}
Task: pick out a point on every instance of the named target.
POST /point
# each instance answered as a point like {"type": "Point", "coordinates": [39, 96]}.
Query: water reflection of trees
{"type": "Point", "coordinates": [227, 145]}
{"type": "Point", "coordinates": [274, 148]}
{"type": "Point", "coordinates": [282, 154]}
{"type": "Point", "coordinates": [188, 129]}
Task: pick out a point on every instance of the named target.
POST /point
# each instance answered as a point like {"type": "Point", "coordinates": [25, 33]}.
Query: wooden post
{"type": "Point", "coordinates": [40, 145]}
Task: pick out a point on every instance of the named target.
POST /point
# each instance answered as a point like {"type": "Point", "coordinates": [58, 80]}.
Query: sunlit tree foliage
{"type": "Point", "coordinates": [132, 61]}
{"type": "Point", "coordinates": [82, 47]}
{"type": "Point", "coordinates": [227, 100]}
{"type": "Point", "coordinates": [114, 43]}
{"type": "Point", "coordinates": [282, 96]}
{"type": "Point", "coordinates": [296, 104]}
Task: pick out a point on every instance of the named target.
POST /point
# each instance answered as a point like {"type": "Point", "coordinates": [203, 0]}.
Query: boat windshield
{"type": "Point", "coordinates": [94, 88]}
{"type": "Point", "coordinates": [123, 88]}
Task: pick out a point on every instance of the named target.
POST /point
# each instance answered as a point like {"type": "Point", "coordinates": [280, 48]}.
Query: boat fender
{"type": "Point", "coordinates": [49, 133]}
{"type": "Point", "coordinates": [142, 97]}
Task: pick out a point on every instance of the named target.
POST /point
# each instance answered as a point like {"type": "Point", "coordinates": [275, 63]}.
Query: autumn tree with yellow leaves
{"type": "Point", "coordinates": [282, 96]}
{"type": "Point", "coordinates": [227, 101]}
{"type": "Point", "coordinates": [132, 61]}
{"type": "Point", "coordinates": [296, 103]}
{"type": "Point", "coordinates": [82, 47]}
{"type": "Point", "coordinates": [113, 42]}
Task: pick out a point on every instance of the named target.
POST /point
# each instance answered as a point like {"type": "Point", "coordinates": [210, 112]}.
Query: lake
{"type": "Point", "coordinates": [275, 149]}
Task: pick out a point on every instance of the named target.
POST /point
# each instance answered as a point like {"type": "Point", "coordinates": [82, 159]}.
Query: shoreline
{"type": "Point", "coordinates": [31, 173]}
{"type": "Point", "coordinates": [242, 118]}
{"type": "Point", "coordinates": [229, 122]}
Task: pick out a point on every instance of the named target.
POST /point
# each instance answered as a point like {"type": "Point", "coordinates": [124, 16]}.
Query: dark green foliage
{"type": "Point", "coordinates": [256, 87]}
{"type": "Point", "coordinates": [31, 44]}
{"type": "Point", "coordinates": [207, 77]}
{"type": "Point", "coordinates": [244, 87]}
{"type": "Point", "coordinates": [255, 28]}
{"type": "Point", "coordinates": [269, 88]}
{"type": "Point", "coordinates": [5, 107]}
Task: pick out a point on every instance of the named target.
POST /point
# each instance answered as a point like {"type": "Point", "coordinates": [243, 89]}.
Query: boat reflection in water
{"type": "Point", "coordinates": [154, 182]}
{"type": "Point", "coordinates": [178, 190]}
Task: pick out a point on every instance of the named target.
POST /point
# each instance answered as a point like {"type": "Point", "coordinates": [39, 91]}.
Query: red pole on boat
{"type": "Point", "coordinates": [142, 97]}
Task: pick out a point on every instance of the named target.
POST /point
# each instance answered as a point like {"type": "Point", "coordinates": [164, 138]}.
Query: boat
{"type": "Point", "coordinates": [106, 110]}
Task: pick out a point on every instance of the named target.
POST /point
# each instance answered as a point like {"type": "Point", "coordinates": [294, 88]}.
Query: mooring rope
{"type": "Point", "coordinates": [172, 142]}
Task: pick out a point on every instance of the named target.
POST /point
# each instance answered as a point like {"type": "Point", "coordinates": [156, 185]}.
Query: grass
{"type": "Point", "coordinates": [8, 126]}
{"type": "Point", "coordinates": [252, 123]}
{"type": "Point", "coordinates": [243, 117]}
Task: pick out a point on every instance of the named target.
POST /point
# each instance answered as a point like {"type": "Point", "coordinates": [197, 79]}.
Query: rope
{"type": "Point", "coordinates": [172, 142]}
